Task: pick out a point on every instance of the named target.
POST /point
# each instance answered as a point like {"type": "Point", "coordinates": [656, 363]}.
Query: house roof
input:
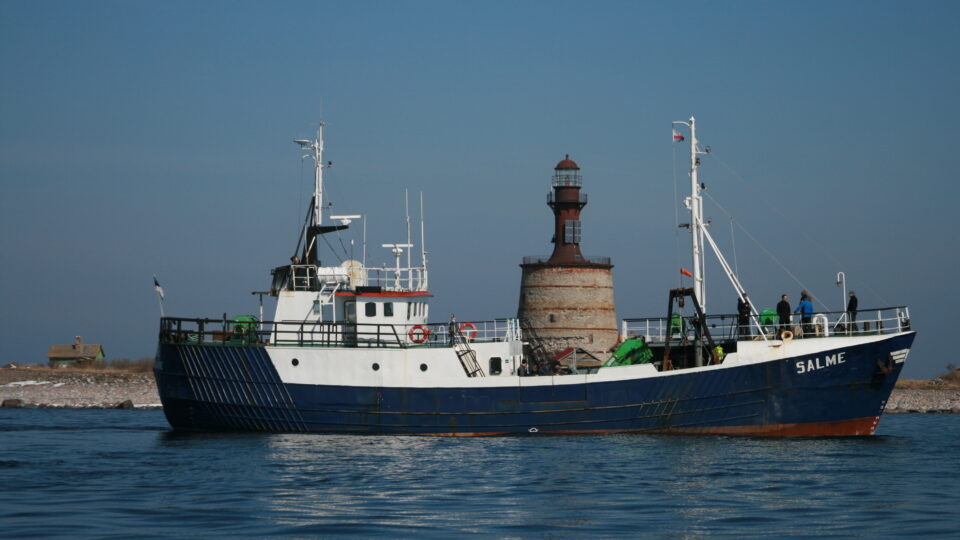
{"type": "Point", "coordinates": [65, 352]}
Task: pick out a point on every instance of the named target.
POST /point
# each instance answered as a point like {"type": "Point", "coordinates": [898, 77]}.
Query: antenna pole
{"type": "Point", "coordinates": [423, 247]}
{"type": "Point", "coordinates": [406, 211]}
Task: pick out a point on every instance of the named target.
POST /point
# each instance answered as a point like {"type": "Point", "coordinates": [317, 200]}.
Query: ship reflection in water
{"type": "Point", "coordinates": [607, 485]}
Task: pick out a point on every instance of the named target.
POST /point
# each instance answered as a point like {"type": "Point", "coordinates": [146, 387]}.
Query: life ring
{"type": "Point", "coordinates": [471, 333]}
{"type": "Point", "coordinates": [786, 336]}
{"type": "Point", "coordinates": [419, 333]}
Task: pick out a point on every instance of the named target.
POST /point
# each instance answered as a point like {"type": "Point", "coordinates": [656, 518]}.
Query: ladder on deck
{"type": "Point", "coordinates": [326, 296]}
{"type": "Point", "coordinates": [538, 352]}
{"type": "Point", "coordinates": [467, 356]}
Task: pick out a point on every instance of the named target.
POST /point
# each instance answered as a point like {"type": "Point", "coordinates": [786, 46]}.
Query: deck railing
{"type": "Point", "coordinates": [226, 331]}
{"type": "Point", "coordinates": [889, 320]}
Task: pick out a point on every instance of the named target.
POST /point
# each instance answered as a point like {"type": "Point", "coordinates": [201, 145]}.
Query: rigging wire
{"type": "Point", "coordinates": [333, 251]}
{"type": "Point", "coordinates": [767, 251]}
{"type": "Point", "coordinates": [300, 191]}
{"type": "Point", "coordinates": [733, 242]}
{"type": "Point", "coordinates": [330, 197]}
{"type": "Point", "coordinates": [776, 209]}
{"type": "Point", "coordinates": [346, 254]}
{"type": "Point", "coordinates": [302, 233]}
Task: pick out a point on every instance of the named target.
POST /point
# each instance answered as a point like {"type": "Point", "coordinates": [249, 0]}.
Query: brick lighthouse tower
{"type": "Point", "coordinates": [567, 299]}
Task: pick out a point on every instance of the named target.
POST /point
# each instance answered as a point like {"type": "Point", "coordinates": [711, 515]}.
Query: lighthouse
{"type": "Point", "coordinates": [567, 298]}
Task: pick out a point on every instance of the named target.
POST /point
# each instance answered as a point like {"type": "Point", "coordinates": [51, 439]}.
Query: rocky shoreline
{"type": "Point", "coordinates": [76, 389]}
{"type": "Point", "coordinates": [87, 389]}
{"type": "Point", "coordinates": [905, 400]}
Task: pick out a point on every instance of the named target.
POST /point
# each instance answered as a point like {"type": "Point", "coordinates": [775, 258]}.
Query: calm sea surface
{"type": "Point", "coordinates": [124, 474]}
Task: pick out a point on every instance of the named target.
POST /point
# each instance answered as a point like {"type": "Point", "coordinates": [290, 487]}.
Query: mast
{"type": "Point", "coordinates": [694, 203]}
{"type": "Point", "coordinates": [698, 231]}
{"type": "Point", "coordinates": [315, 149]}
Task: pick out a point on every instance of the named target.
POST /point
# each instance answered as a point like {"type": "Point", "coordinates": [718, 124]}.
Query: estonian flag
{"type": "Point", "coordinates": [157, 287]}
{"type": "Point", "coordinates": [677, 137]}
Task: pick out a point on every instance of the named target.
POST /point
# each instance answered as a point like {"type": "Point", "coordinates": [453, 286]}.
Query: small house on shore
{"type": "Point", "coordinates": [77, 355]}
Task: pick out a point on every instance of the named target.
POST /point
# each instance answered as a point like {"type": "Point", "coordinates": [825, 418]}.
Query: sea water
{"type": "Point", "coordinates": [125, 474]}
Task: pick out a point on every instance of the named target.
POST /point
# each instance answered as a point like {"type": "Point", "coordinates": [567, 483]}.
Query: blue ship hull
{"type": "Point", "coordinates": [235, 387]}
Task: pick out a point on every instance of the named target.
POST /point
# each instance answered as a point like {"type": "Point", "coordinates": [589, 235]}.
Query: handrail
{"type": "Point", "coordinates": [223, 331]}
{"type": "Point", "coordinates": [306, 277]}
{"type": "Point", "coordinates": [725, 327]}
{"type": "Point", "coordinates": [581, 198]}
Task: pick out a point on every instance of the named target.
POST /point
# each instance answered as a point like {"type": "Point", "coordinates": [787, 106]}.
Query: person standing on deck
{"type": "Point", "coordinates": [452, 331]}
{"type": "Point", "coordinates": [743, 317]}
{"type": "Point", "coordinates": [523, 370]}
{"type": "Point", "coordinates": [852, 310]}
{"type": "Point", "coordinates": [805, 309]}
{"type": "Point", "coordinates": [783, 311]}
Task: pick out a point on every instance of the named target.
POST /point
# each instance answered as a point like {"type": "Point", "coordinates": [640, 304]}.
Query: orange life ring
{"type": "Point", "coordinates": [469, 334]}
{"type": "Point", "coordinates": [419, 333]}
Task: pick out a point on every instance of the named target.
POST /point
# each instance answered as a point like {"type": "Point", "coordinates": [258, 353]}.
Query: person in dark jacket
{"type": "Point", "coordinates": [743, 317]}
{"type": "Point", "coordinates": [852, 310]}
{"type": "Point", "coordinates": [783, 311]}
{"type": "Point", "coordinates": [523, 370]}
{"type": "Point", "coordinates": [452, 331]}
{"type": "Point", "coordinates": [805, 309]}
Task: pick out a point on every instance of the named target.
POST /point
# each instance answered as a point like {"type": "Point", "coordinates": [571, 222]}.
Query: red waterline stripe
{"type": "Point", "coordinates": [837, 428]}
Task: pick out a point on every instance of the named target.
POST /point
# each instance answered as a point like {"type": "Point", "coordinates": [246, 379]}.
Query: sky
{"type": "Point", "coordinates": [141, 139]}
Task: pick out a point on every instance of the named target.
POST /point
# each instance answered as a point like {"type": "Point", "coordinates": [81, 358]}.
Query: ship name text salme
{"type": "Point", "coordinates": [813, 364]}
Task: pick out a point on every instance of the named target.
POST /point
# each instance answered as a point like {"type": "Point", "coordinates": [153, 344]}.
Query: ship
{"type": "Point", "coordinates": [352, 349]}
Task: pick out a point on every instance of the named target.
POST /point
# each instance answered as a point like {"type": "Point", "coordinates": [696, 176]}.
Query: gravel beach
{"type": "Point", "coordinates": [64, 388]}
{"type": "Point", "coordinates": [76, 389]}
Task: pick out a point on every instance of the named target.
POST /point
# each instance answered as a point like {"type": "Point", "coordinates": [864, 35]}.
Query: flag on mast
{"type": "Point", "coordinates": [677, 137]}
{"type": "Point", "coordinates": [157, 287]}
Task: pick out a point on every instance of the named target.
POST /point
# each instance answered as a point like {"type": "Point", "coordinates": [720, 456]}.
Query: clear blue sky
{"type": "Point", "coordinates": [140, 138]}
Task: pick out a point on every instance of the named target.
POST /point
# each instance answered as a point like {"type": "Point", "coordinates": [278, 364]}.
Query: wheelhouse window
{"type": "Point", "coordinates": [370, 309]}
